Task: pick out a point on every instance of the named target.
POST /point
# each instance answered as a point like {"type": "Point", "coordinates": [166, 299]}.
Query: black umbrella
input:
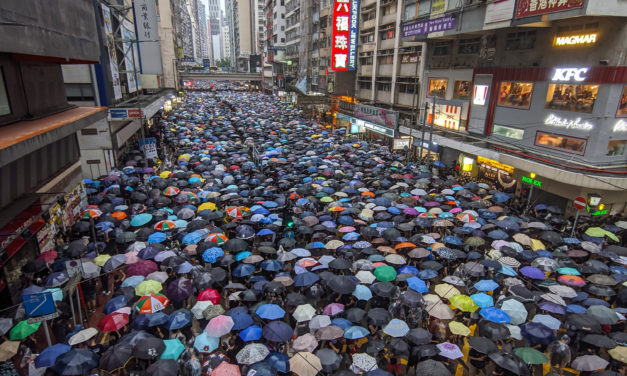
{"type": "Point", "coordinates": [583, 322]}
{"type": "Point", "coordinates": [355, 314]}
{"type": "Point", "coordinates": [295, 299]}
{"type": "Point", "coordinates": [599, 340]}
{"type": "Point", "coordinates": [600, 290]}
{"type": "Point", "coordinates": [76, 249]}
{"type": "Point", "coordinates": [482, 344]}
{"type": "Point", "coordinates": [342, 284]}
{"type": "Point", "coordinates": [493, 330]}
{"type": "Point", "coordinates": [419, 336]}
{"type": "Point", "coordinates": [510, 362]}
{"type": "Point", "coordinates": [373, 346]}
{"type": "Point", "coordinates": [164, 367]}
{"type": "Point", "coordinates": [76, 362]}
{"type": "Point", "coordinates": [329, 359]}
{"type": "Point", "coordinates": [378, 316]}
{"type": "Point", "coordinates": [149, 348]}
{"type": "Point", "coordinates": [384, 289]}
{"type": "Point", "coordinates": [277, 331]}
{"type": "Point", "coordinates": [432, 368]}
{"type": "Point", "coordinates": [340, 264]}
{"type": "Point", "coordinates": [399, 347]}
{"type": "Point", "coordinates": [116, 356]}
{"type": "Point", "coordinates": [235, 245]}
{"type": "Point", "coordinates": [34, 266]}
{"type": "Point", "coordinates": [425, 351]}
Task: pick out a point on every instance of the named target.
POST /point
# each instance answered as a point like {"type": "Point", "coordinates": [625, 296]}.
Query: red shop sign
{"type": "Point", "coordinates": [528, 8]}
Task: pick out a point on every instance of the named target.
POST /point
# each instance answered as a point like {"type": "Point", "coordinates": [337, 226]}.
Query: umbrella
{"type": "Point", "coordinates": [305, 364]}
{"type": "Point", "coordinates": [149, 348]}
{"type": "Point", "coordinates": [113, 322]}
{"type": "Point", "coordinates": [329, 359]}
{"type": "Point", "coordinates": [82, 336]}
{"type": "Point", "coordinates": [76, 362]}
{"type": "Point", "coordinates": [396, 328]}
{"type": "Point", "coordinates": [22, 330]}
{"type": "Point", "coordinates": [206, 344]}
{"type": "Point", "coordinates": [8, 349]}
{"type": "Point", "coordinates": [449, 350]}
{"type": "Point", "coordinates": [252, 353]}
{"type": "Point", "coordinates": [482, 344]}
{"type": "Point", "coordinates": [270, 311]}
{"type": "Point", "coordinates": [530, 355]}
{"type": "Point", "coordinates": [306, 342]}
{"type": "Point", "coordinates": [173, 349]}
{"type": "Point", "coordinates": [116, 357]}
{"type": "Point", "coordinates": [304, 312]}
{"type": "Point", "coordinates": [589, 363]}
{"type": "Point", "coordinates": [277, 331]}
{"type": "Point", "coordinates": [252, 333]}
{"type": "Point", "coordinates": [164, 367]}
{"type": "Point", "coordinates": [432, 368]}
{"type": "Point", "coordinates": [226, 369]}
{"type": "Point", "coordinates": [219, 326]}
{"type": "Point", "coordinates": [510, 362]}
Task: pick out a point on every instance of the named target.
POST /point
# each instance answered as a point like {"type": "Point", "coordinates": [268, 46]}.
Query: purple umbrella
{"type": "Point", "coordinates": [142, 267]}
{"type": "Point", "coordinates": [532, 272]}
{"type": "Point", "coordinates": [179, 289]}
{"type": "Point", "coordinates": [552, 307]}
{"type": "Point", "coordinates": [431, 203]}
{"type": "Point", "coordinates": [411, 211]}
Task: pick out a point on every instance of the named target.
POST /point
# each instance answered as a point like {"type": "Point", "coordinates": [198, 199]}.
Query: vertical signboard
{"type": "Point", "coordinates": [344, 42]}
{"type": "Point", "coordinates": [109, 42]}
{"type": "Point", "coordinates": [130, 55]}
{"type": "Point", "coordinates": [148, 36]}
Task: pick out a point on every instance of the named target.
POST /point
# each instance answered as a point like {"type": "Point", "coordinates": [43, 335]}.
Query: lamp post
{"type": "Point", "coordinates": [532, 175]}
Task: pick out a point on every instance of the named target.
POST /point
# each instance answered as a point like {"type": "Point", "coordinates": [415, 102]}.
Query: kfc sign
{"type": "Point", "coordinates": [344, 42]}
{"type": "Point", "coordinates": [567, 74]}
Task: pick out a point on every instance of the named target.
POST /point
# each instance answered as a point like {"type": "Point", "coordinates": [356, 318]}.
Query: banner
{"type": "Point", "coordinates": [109, 42]}
{"type": "Point", "coordinates": [130, 55]}
{"type": "Point", "coordinates": [528, 8]}
{"type": "Point", "coordinates": [148, 36]}
{"type": "Point", "coordinates": [344, 36]}
{"type": "Point", "coordinates": [377, 115]}
{"type": "Point", "coordinates": [427, 26]}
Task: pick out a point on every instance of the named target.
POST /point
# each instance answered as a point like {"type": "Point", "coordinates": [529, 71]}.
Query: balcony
{"type": "Point", "coordinates": [388, 18]}
{"type": "Point", "coordinates": [386, 44]}
{"type": "Point", "coordinates": [409, 69]}
{"type": "Point", "coordinates": [364, 94]}
{"type": "Point", "coordinates": [370, 24]}
{"type": "Point", "coordinates": [366, 47]}
{"type": "Point", "coordinates": [368, 2]}
{"type": "Point", "coordinates": [385, 70]}
{"type": "Point", "coordinates": [383, 96]}
{"type": "Point", "coordinates": [405, 99]}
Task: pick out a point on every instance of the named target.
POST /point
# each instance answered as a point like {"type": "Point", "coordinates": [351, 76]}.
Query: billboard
{"type": "Point", "coordinates": [528, 8]}
{"type": "Point", "coordinates": [427, 26]}
{"type": "Point", "coordinates": [131, 58]}
{"type": "Point", "coordinates": [344, 39]}
{"type": "Point", "coordinates": [377, 115]}
{"type": "Point", "coordinates": [110, 43]}
{"type": "Point", "coordinates": [147, 36]}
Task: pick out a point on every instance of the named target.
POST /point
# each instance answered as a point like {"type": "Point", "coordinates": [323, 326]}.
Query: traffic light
{"type": "Point", "coordinates": [288, 221]}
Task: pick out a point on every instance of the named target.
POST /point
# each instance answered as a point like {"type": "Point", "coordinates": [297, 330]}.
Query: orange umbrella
{"type": "Point", "coordinates": [368, 193]}
{"type": "Point", "coordinates": [405, 245]}
{"type": "Point", "coordinates": [336, 209]}
{"type": "Point", "coordinates": [119, 215]}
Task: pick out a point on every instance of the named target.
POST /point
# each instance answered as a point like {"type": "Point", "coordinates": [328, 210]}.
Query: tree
{"type": "Point", "coordinates": [223, 63]}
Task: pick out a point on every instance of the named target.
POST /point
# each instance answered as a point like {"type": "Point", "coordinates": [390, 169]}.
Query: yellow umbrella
{"type": "Point", "coordinates": [536, 244]}
{"type": "Point", "coordinates": [446, 291]}
{"type": "Point", "coordinates": [436, 246]}
{"type": "Point", "coordinates": [8, 349]}
{"type": "Point", "coordinates": [165, 174]}
{"type": "Point", "coordinates": [207, 206]}
{"type": "Point", "coordinates": [100, 260]}
{"type": "Point", "coordinates": [184, 157]}
{"type": "Point", "coordinates": [458, 328]}
{"type": "Point", "coordinates": [464, 303]}
{"type": "Point", "coordinates": [148, 287]}
{"type": "Point", "coordinates": [619, 353]}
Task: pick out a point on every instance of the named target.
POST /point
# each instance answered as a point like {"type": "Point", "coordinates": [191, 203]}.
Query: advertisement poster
{"type": "Point", "coordinates": [109, 42]}
{"type": "Point", "coordinates": [147, 33]}
{"type": "Point", "coordinates": [498, 174]}
{"type": "Point", "coordinates": [130, 55]}
{"type": "Point", "coordinates": [428, 26]}
{"type": "Point", "coordinates": [528, 8]}
{"type": "Point", "coordinates": [377, 115]}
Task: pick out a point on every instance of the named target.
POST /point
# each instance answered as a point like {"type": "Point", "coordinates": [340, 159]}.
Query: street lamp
{"type": "Point", "coordinates": [532, 175]}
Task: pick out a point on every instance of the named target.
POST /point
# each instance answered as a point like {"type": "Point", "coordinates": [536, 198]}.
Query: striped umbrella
{"type": "Point", "coordinates": [165, 225]}
{"type": "Point", "coordinates": [217, 238]}
{"type": "Point", "coordinates": [152, 303]}
{"type": "Point", "coordinates": [467, 217]}
{"type": "Point", "coordinates": [171, 191]}
{"type": "Point", "coordinates": [91, 213]}
{"type": "Point", "coordinates": [234, 212]}
{"type": "Point", "coordinates": [427, 215]}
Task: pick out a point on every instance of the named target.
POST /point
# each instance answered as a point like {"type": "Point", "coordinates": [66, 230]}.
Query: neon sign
{"type": "Point", "coordinates": [344, 39]}
{"type": "Point", "coordinates": [531, 181]}
{"type": "Point", "coordinates": [567, 74]}
{"type": "Point", "coordinates": [556, 121]}
{"type": "Point", "coordinates": [576, 40]}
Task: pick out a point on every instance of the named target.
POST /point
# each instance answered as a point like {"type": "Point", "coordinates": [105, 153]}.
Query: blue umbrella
{"type": "Point", "coordinates": [56, 279]}
{"type": "Point", "coordinates": [498, 234]}
{"type": "Point", "coordinates": [263, 368]}
{"type": "Point", "coordinates": [486, 285]}
{"type": "Point", "coordinates": [495, 315]}
{"type": "Point", "coordinates": [418, 285]}
{"type": "Point", "coordinates": [500, 197]}
{"type": "Point", "coordinates": [537, 333]}
{"type": "Point", "coordinates": [450, 239]}
{"type": "Point", "coordinates": [362, 292]}
{"type": "Point", "coordinates": [270, 311]}
{"type": "Point", "coordinates": [179, 319]}
{"type": "Point", "coordinates": [149, 320]}
{"type": "Point", "coordinates": [427, 274]}
{"type": "Point", "coordinates": [277, 331]}
{"type": "Point", "coordinates": [355, 332]}
{"type": "Point", "coordinates": [279, 361]}
{"type": "Point", "coordinates": [241, 320]}
{"type": "Point", "coordinates": [205, 344]}
{"type": "Point", "coordinates": [242, 255]}
{"type": "Point", "coordinates": [184, 268]}
{"type": "Point", "coordinates": [243, 270]}
{"type": "Point", "coordinates": [141, 219]}
{"type": "Point", "coordinates": [341, 322]}
{"type": "Point", "coordinates": [192, 238]}
{"type": "Point", "coordinates": [133, 281]}
{"type": "Point", "coordinates": [148, 253]}
{"type": "Point", "coordinates": [350, 236]}
{"type": "Point", "coordinates": [482, 300]}
{"type": "Point", "coordinates": [271, 265]}
{"type": "Point", "coordinates": [265, 231]}
{"type": "Point", "coordinates": [156, 237]}
{"type": "Point", "coordinates": [408, 269]}
{"type": "Point", "coordinates": [306, 279]}
{"type": "Point", "coordinates": [115, 303]}
{"type": "Point", "coordinates": [508, 225]}
{"type": "Point", "coordinates": [49, 355]}
{"type": "Point", "coordinates": [252, 333]}
{"type": "Point", "coordinates": [211, 255]}
{"type": "Point", "coordinates": [76, 362]}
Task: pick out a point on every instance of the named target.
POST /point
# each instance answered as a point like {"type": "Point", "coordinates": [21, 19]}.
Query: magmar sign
{"type": "Point", "coordinates": [344, 42]}
{"type": "Point", "coordinates": [528, 8]}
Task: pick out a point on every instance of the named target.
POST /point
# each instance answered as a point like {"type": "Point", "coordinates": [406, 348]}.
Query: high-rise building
{"type": "Point", "coordinates": [203, 34]}
{"type": "Point", "coordinates": [184, 29]}
{"type": "Point", "coordinates": [226, 42]}
{"type": "Point", "coordinates": [241, 14]}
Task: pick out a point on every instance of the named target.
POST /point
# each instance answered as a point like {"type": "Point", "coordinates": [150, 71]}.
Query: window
{"type": "Point", "coordinates": [387, 32]}
{"type": "Point", "coordinates": [409, 58]}
{"type": "Point", "coordinates": [509, 132]}
{"type": "Point", "coordinates": [390, 9]}
{"type": "Point", "coordinates": [469, 46]}
{"type": "Point", "coordinates": [384, 84]}
{"type": "Point", "coordinates": [622, 105]}
{"type": "Point", "coordinates": [461, 90]}
{"type": "Point", "coordinates": [515, 94]}
{"type": "Point", "coordinates": [437, 87]}
{"type": "Point", "coordinates": [562, 143]}
{"type": "Point", "coordinates": [441, 48]}
{"type": "Point", "coordinates": [616, 147]}
{"type": "Point", "coordinates": [365, 58]}
{"type": "Point", "coordinates": [5, 107]}
{"type": "Point", "coordinates": [365, 85]}
{"type": "Point", "coordinates": [522, 40]}
{"type": "Point", "coordinates": [387, 59]}
{"type": "Point", "coordinates": [407, 85]}
{"type": "Point", "coordinates": [366, 36]}
{"type": "Point", "coordinates": [571, 97]}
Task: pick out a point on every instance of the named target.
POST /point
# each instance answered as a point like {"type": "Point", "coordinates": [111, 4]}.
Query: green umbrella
{"type": "Point", "coordinates": [385, 273]}
{"type": "Point", "coordinates": [598, 232]}
{"type": "Point", "coordinates": [173, 349]}
{"type": "Point", "coordinates": [326, 199]}
{"type": "Point", "coordinates": [23, 329]}
{"type": "Point", "coordinates": [530, 356]}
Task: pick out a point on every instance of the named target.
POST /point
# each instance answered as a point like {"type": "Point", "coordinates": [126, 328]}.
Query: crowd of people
{"type": "Point", "coordinates": [273, 245]}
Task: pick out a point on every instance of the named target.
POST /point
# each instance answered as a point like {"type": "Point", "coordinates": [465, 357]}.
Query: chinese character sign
{"type": "Point", "coordinates": [344, 39]}
{"type": "Point", "coordinates": [527, 8]}
{"type": "Point", "coordinates": [148, 36]}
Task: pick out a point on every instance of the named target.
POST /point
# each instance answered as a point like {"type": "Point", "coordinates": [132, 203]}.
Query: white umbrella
{"type": "Point", "coordinates": [365, 276]}
{"type": "Point", "coordinates": [516, 311]}
{"type": "Point", "coordinates": [82, 336]}
{"type": "Point", "coordinates": [305, 364]}
{"type": "Point", "coordinates": [160, 277]}
{"type": "Point", "coordinates": [200, 307]}
{"type": "Point", "coordinates": [449, 350]}
{"type": "Point", "coordinates": [319, 321]}
{"type": "Point", "coordinates": [252, 353]}
{"type": "Point", "coordinates": [364, 362]}
{"type": "Point", "coordinates": [304, 312]}
{"type": "Point", "coordinates": [306, 342]}
{"type": "Point", "coordinates": [563, 291]}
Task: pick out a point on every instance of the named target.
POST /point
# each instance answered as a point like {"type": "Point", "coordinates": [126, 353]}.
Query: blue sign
{"type": "Point", "coordinates": [39, 304]}
{"type": "Point", "coordinates": [427, 26]}
{"type": "Point", "coordinates": [206, 62]}
{"type": "Point", "coordinates": [149, 140]}
{"type": "Point", "coordinates": [352, 41]}
{"type": "Point", "coordinates": [118, 113]}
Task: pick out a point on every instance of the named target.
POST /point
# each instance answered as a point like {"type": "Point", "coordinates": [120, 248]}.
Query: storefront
{"type": "Point", "coordinates": [378, 123]}
{"type": "Point", "coordinates": [496, 174]}
{"type": "Point", "coordinates": [575, 112]}
{"type": "Point", "coordinates": [450, 90]}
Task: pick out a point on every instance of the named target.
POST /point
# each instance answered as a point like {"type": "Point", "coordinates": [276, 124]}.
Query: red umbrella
{"type": "Point", "coordinates": [142, 267]}
{"type": "Point", "coordinates": [211, 295]}
{"type": "Point", "coordinates": [48, 256]}
{"type": "Point", "coordinates": [112, 322]}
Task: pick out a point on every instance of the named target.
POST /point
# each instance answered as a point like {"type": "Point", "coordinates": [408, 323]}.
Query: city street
{"type": "Point", "coordinates": [261, 242]}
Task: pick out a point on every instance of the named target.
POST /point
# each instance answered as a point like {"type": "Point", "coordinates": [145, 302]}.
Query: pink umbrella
{"type": "Point", "coordinates": [131, 257]}
{"type": "Point", "coordinates": [219, 326]}
{"type": "Point", "coordinates": [347, 229]}
{"type": "Point", "coordinates": [411, 211]}
{"type": "Point", "coordinates": [455, 210]}
{"type": "Point", "coordinates": [333, 309]}
{"type": "Point", "coordinates": [226, 369]}
{"type": "Point", "coordinates": [123, 310]}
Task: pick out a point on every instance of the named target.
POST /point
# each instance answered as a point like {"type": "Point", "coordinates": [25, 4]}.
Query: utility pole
{"type": "Point", "coordinates": [422, 126]}
{"type": "Point", "coordinates": [431, 134]}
